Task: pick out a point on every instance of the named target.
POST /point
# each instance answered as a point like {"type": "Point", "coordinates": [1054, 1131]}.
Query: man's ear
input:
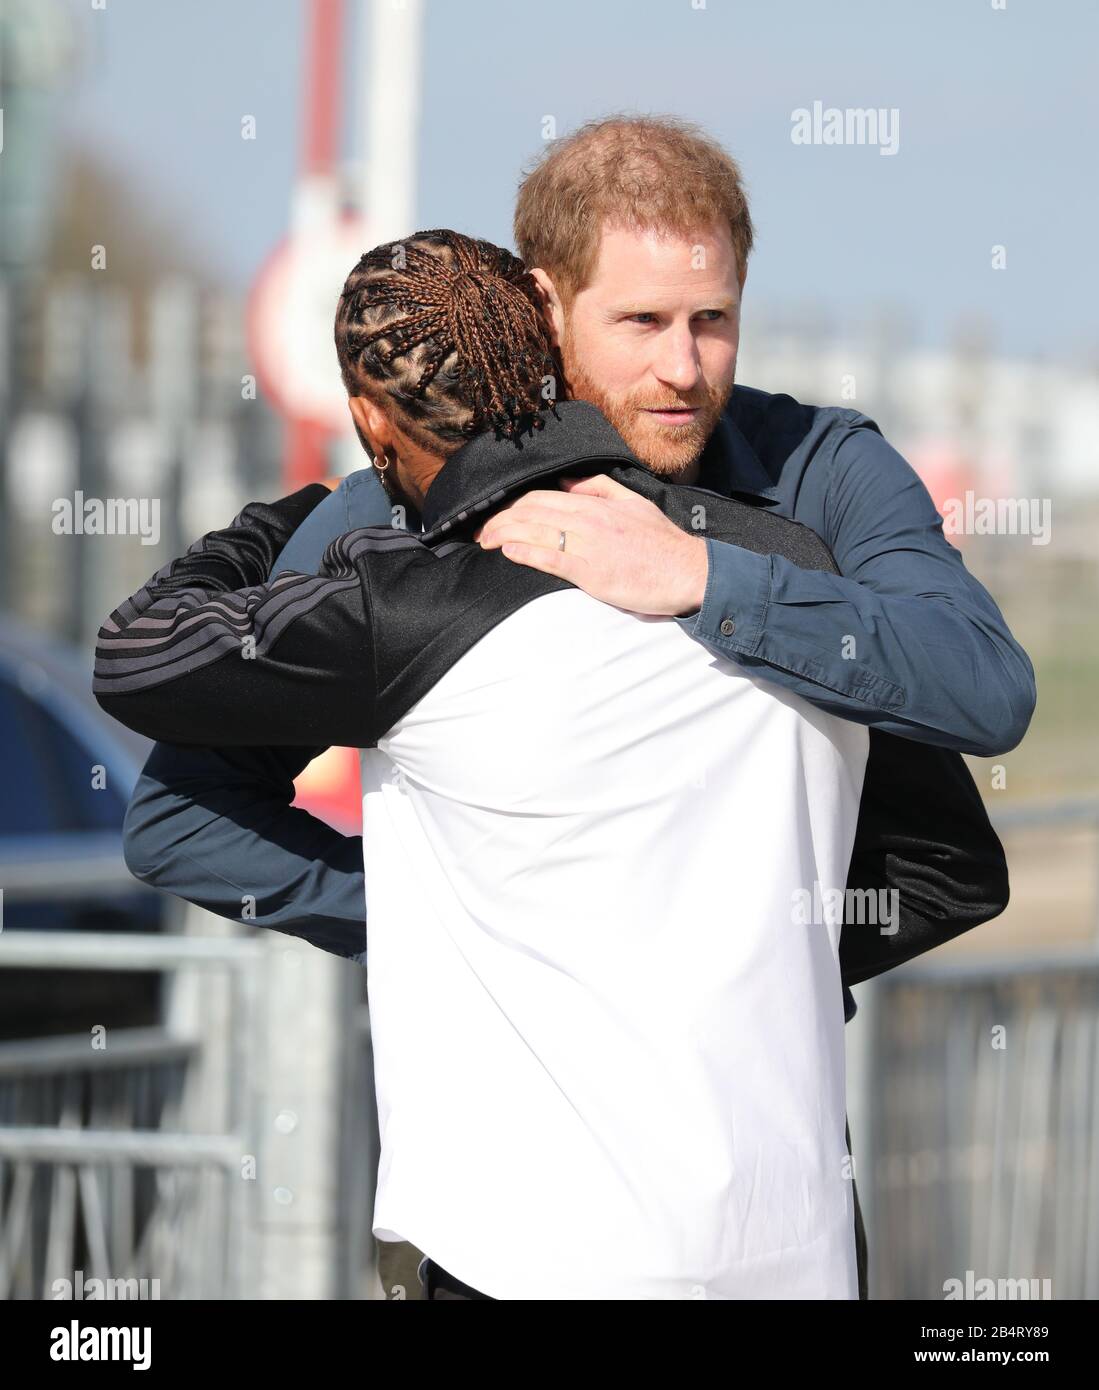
{"type": "Point", "coordinates": [371, 425]}
{"type": "Point", "coordinates": [552, 307]}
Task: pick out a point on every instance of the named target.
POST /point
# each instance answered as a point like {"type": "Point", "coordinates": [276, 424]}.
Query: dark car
{"type": "Point", "coordinates": [68, 775]}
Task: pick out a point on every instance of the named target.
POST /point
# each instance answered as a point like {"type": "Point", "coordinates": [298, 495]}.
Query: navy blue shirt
{"type": "Point", "coordinates": [904, 639]}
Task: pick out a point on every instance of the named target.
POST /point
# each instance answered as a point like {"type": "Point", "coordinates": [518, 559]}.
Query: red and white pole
{"type": "Point", "coordinates": [316, 197]}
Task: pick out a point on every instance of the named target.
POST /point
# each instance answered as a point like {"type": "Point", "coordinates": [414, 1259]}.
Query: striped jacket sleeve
{"type": "Point", "coordinates": [212, 652]}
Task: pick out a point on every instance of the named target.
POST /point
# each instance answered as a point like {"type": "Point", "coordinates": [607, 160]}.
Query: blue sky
{"type": "Point", "coordinates": [997, 134]}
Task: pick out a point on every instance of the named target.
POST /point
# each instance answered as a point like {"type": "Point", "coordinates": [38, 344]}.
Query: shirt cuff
{"type": "Point", "coordinates": [734, 605]}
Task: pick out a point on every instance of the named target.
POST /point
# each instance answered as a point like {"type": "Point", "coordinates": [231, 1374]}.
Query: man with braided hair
{"type": "Point", "coordinates": [409, 306]}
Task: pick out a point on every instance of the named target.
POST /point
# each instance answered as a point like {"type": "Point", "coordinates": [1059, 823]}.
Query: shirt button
{"type": "Point", "coordinates": [728, 627]}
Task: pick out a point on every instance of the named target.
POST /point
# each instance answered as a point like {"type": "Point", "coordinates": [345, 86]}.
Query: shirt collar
{"type": "Point", "coordinates": [730, 465]}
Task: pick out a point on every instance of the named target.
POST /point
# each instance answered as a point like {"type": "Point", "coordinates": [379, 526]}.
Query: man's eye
{"type": "Point", "coordinates": [713, 314]}
{"type": "Point", "coordinates": [643, 317]}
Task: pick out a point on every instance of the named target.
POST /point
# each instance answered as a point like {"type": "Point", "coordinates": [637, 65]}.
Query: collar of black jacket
{"type": "Point", "coordinates": [489, 468]}
{"type": "Point", "coordinates": [575, 435]}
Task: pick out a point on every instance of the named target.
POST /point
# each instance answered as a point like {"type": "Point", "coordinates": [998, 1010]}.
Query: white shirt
{"type": "Point", "coordinates": [608, 1047]}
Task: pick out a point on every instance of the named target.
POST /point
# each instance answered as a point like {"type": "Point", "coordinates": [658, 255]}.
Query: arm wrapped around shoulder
{"type": "Point", "coordinates": [211, 651]}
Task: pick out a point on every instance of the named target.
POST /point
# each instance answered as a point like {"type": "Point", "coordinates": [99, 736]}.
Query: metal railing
{"type": "Point", "coordinates": [978, 1085]}
{"type": "Point", "coordinates": [105, 1167]}
{"type": "Point", "coordinates": [985, 1128]}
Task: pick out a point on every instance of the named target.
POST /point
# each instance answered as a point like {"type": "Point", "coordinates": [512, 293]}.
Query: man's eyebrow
{"type": "Point", "coordinates": [643, 307]}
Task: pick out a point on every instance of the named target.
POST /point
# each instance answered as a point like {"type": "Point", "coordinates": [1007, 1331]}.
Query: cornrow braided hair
{"type": "Point", "coordinates": [451, 329]}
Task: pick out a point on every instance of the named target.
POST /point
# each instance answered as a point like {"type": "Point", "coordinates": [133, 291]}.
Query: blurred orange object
{"type": "Point", "coordinates": [329, 788]}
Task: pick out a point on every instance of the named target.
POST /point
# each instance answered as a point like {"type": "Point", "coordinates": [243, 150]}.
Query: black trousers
{"type": "Point", "coordinates": [439, 1284]}
{"type": "Point", "coordinates": [861, 1253]}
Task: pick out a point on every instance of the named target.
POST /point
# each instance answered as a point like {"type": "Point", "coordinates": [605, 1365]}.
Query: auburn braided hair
{"type": "Point", "coordinates": [451, 330]}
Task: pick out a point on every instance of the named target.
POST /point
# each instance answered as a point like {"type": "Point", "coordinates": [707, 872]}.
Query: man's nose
{"type": "Point", "coordinates": [676, 363]}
